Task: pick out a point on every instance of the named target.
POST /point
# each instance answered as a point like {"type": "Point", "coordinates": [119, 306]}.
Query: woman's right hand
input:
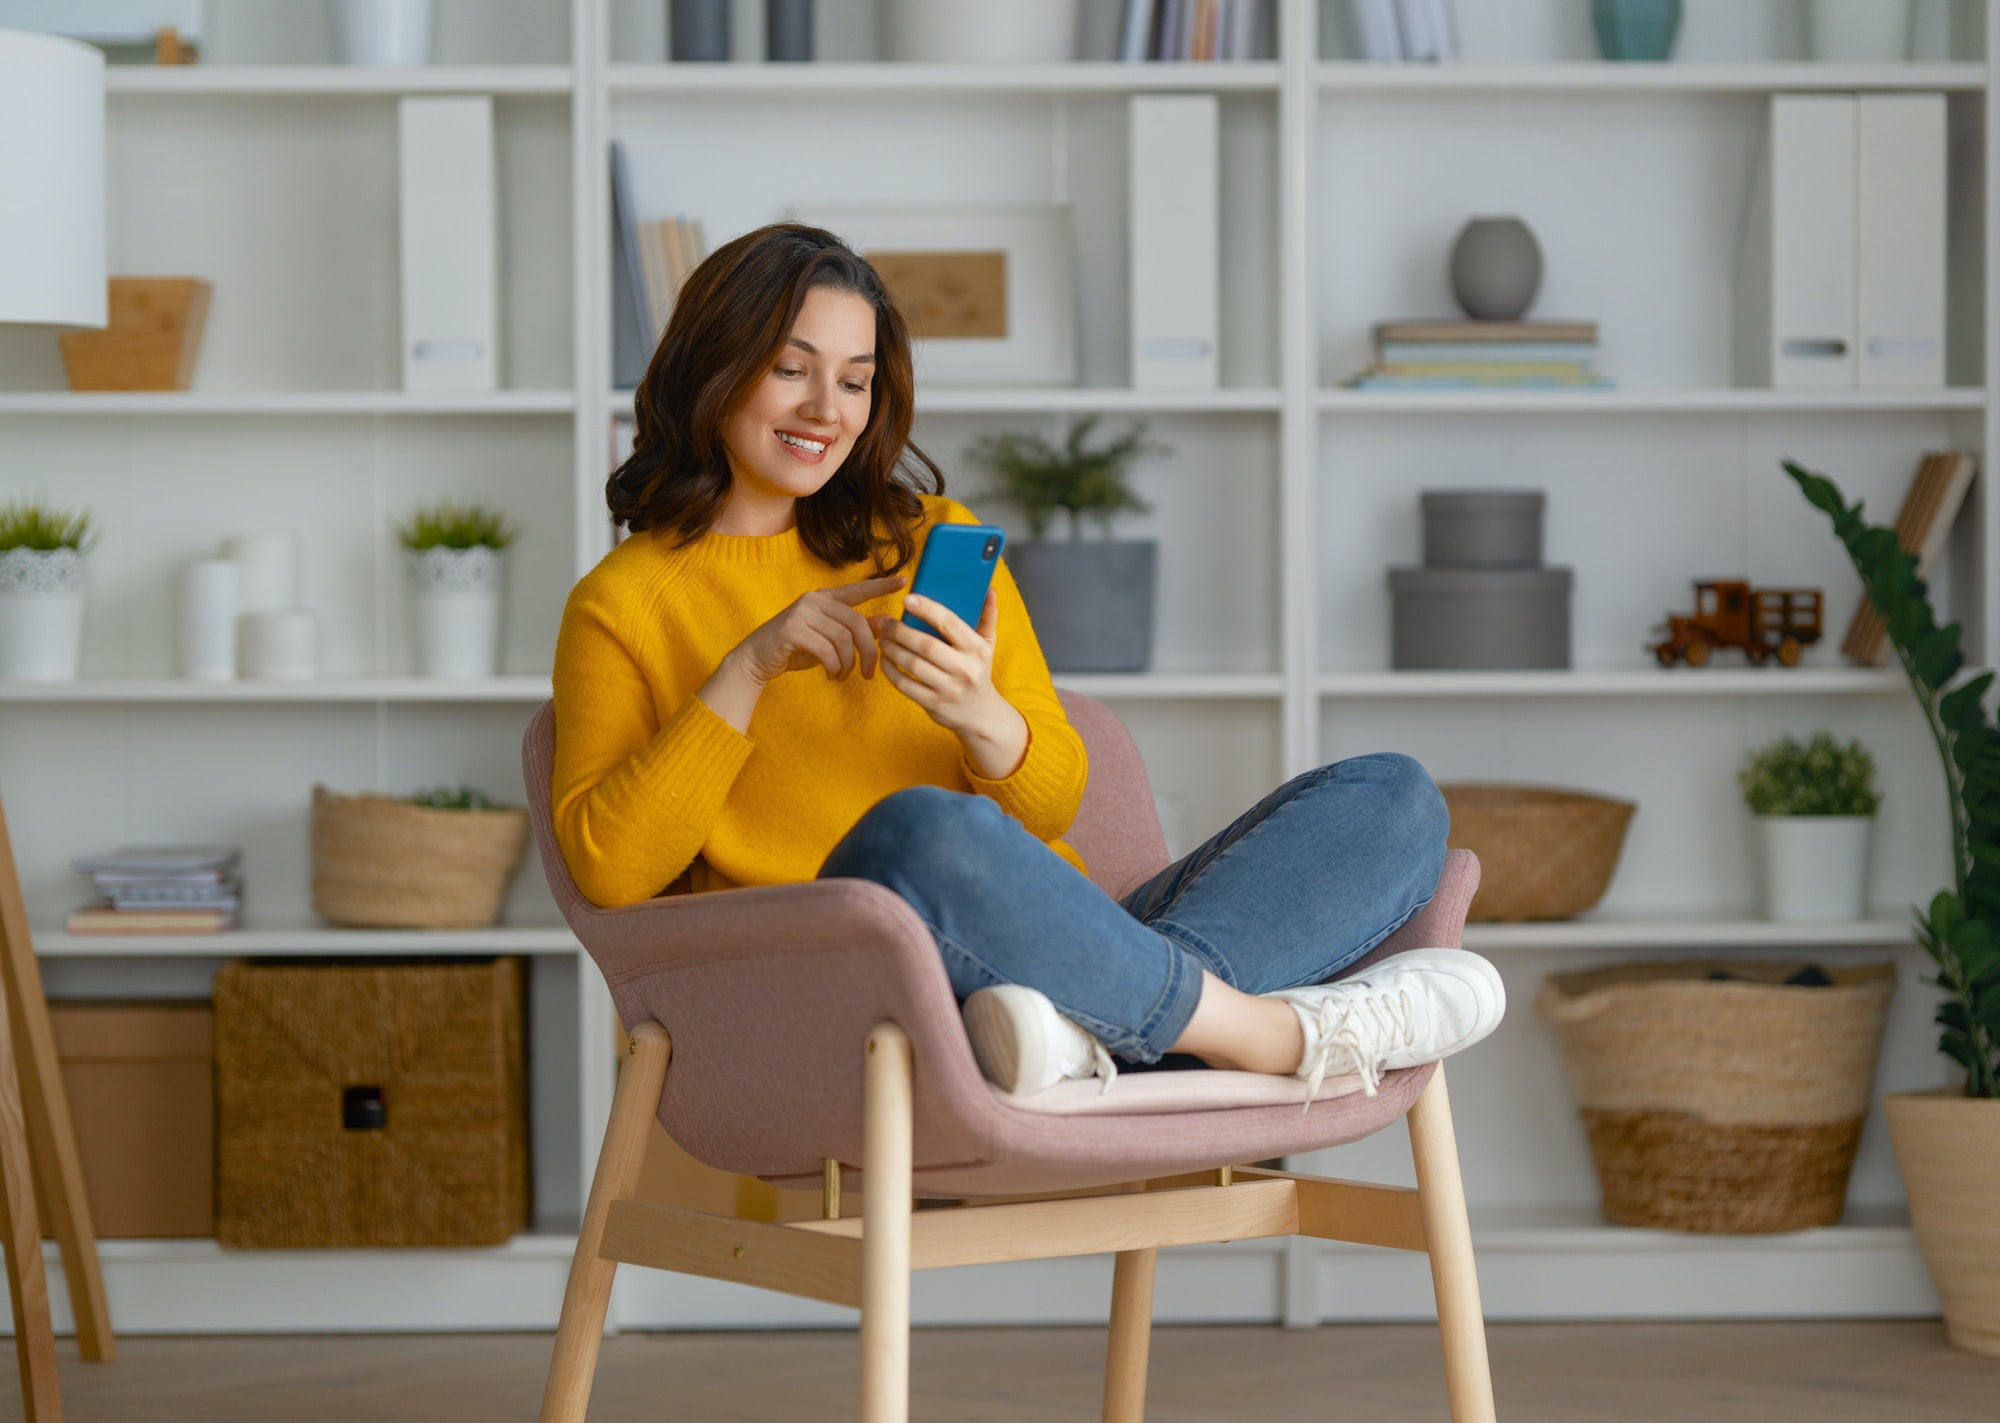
{"type": "Point", "coordinates": [820, 629]}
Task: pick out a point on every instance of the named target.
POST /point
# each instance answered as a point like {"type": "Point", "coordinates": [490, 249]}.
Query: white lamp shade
{"type": "Point", "coordinates": [51, 180]}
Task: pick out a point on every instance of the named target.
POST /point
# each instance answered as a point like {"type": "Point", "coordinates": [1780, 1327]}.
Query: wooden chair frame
{"type": "Point", "coordinates": [866, 1262]}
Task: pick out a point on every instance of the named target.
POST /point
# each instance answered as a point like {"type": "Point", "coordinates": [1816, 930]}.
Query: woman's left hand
{"type": "Point", "coordinates": [951, 678]}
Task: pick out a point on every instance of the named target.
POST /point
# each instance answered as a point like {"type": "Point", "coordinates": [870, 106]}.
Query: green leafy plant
{"type": "Point", "coordinates": [1816, 777]}
{"type": "Point", "coordinates": [1959, 929]}
{"type": "Point", "coordinates": [450, 524]}
{"type": "Point", "coordinates": [26, 524]}
{"type": "Point", "coordinates": [1043, 477]}
{"type": "Point", "coordinates": [452, 798]}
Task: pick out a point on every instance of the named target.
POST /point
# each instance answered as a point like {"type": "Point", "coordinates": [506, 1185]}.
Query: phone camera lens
{"type": "Point", "coordinates": [992, 547]}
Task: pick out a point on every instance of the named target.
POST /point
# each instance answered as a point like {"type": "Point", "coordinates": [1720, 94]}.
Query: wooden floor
{"type": "Point", "coordinates": [1844, 1372]}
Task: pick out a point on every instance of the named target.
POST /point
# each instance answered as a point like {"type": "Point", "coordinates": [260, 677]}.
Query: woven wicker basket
{"type": "Point", "coordinates": [1543, 854]}
{"type": "Point", "coordinates": [370, 1105]}
{"type": "Point", "coordinates": [1723, 1106]}
{"type": "Point", "coordinates": [381, 863]}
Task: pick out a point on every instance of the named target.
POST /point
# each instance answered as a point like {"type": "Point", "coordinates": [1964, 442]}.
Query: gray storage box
{"type": "Point", "coordinates": [1481, 619]}
{"type": "Point", "coordinates": [1483, 528]}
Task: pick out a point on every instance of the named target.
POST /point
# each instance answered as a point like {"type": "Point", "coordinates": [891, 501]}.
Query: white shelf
{"type": "Point", "coordinates": [1718, 401]}
{"type": "Point", "coordinates": [287, 402]}
{"type": "Point", "coordinates": [1884, 928]}
{"type": "Point", "coordinates": [1634, 682]}
{"type": "Point", "coordinates": [310, 940]}
{"type": "Point", "coordinates": [1173, 686]}
{"type": "Point", "coordinates": [1350, 76]}
{"type": "Point", "coordinates": [326, 689]}
{"type": "Point", "coordinates": [224, 80]}
{"type": "Point", "coordinates": [1255, 76]}
{"type": "Point", "coordinates": [1112, 400]}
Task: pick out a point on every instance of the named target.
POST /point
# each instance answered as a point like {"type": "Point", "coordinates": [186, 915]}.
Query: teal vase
{"type": "Point", "coordinates": [1637, 29]}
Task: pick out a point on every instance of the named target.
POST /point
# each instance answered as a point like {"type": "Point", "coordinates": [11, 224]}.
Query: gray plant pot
{"type": "Point", "coordinates": [1091, 601]}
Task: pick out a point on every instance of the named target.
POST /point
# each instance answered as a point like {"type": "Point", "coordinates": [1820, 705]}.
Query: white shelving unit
{"type": "Point", "coordinates": [273, 172]}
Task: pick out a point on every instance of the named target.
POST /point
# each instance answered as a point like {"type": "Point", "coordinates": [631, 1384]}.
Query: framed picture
{"type": "Point", "coordinates": [988, 291]}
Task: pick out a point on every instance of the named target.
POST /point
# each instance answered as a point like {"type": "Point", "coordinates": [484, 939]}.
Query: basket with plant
{"type": "Point", "coordinates": [41, 590]}
{"type": "Point", "coordinates": [1948, 1143]}
{"type": "Point", "coordinates": [1091, 599]}
{"type": "Point", "coordinates": [439, 859]}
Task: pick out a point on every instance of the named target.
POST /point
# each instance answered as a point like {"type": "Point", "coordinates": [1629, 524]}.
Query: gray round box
{"type": "Point", "coordinates": [1479, 619]}
{"type": "Point", "coordinates": [1483, 528]}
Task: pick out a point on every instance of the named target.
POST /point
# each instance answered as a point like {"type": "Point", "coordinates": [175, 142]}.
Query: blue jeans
{"type": "Point", "coordinates": [1299, 886]}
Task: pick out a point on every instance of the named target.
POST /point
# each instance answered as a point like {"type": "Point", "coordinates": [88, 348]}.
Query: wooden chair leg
{"type": "Point", "coordinates": [1448, 1238]}
{"type": "Point", "coordinates": [885, 1228]}
{"type": "Point", "coordinates": [588, 1296]}
{"type": "Point", "coordinates": [1131, 1336]}
{"type": "Point", "coordinates": [21, 1234]}
{"type": "Point", "coordinates": [51, 1131]}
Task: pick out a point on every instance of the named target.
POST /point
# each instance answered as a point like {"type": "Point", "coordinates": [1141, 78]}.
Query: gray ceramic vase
{"type": "Point", "coordinates": [1091, 600]}
{"type": "Point", "coordinates": [1496, 268]}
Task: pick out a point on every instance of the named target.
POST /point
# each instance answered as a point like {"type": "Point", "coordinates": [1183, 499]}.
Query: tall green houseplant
{"type": "Point", "coordinates": [1961, 930]}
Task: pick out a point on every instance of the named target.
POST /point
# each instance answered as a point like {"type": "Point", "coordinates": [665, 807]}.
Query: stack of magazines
{"type": "Point", "coordinates": [1484, 355]}
{"type": "Point", "coordinates": [160, 889]}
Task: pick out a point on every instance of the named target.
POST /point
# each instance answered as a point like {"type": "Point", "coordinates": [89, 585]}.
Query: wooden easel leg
{"type": "Point", "coordinates": [886, 1148]}
{"type": "Point", "coordinates": [588, 1295]}
{"type": "Point", "coordinates": [1131, 1336]}
{"type": "Point", "coordinates": [51, 1133]}
{"type": "Point", "coordinates": [21, 1233]}
{"type": "Point", "coordinates": [1448, 1238]}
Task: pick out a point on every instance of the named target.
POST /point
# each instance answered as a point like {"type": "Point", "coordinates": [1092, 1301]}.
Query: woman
{"type": "Point", "coordinates": [738, 702]}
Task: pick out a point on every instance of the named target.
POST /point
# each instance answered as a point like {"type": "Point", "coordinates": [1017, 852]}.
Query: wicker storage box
{"type": "Point", "coordinates": [1543, 854]}
{"type": "Point", "coordinates": [1721, 1105]}
{"type": "Point", "coordinates": [383, 863]}
{"type": "Point", "coordinates": [370, 1105]}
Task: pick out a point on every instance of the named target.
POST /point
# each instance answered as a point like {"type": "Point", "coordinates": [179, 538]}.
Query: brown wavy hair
{"type": "Point", "coordinates": [728, 327]}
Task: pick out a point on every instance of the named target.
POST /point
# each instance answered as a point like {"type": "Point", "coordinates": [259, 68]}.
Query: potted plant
{"type": "Point", "coordinates": [1814, 803]}
{"type": "Point", "coordinates": [458, 571]}
{"type": "Point", "coordinates": [1947, 1142]}
{"type": "Point", "coordinates": [1092, 600]}
{"type": "Point", "coordinates": [439, 859]}
{"type": "Point", "coordinates": [41, 591]}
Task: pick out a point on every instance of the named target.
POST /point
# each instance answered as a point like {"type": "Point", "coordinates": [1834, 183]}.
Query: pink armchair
{"type": "Point", "coordinates": [813, 1036]}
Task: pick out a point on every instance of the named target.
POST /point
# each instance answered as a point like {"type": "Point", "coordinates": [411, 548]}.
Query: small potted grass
{"type": "Point", "coordinates": [41, 591]}
{"type": "Point", "coordinates": [1814, 803]}
{"type": "Point", "coordinates": [458, 575]}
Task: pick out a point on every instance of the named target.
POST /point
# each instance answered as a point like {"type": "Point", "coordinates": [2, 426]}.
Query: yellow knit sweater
{"type": "Point", "coordinates": [650, 782]}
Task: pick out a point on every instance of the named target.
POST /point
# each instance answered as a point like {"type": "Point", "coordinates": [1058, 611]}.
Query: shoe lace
{"type": "Point", "coordinates": [1367, 1026]}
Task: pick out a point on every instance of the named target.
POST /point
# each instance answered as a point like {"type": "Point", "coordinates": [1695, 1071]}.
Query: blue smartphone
{"type": "Point", "coordinates": [955, 569]}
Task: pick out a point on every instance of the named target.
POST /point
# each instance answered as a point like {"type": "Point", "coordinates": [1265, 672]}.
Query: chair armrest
{"type": "Point", "coordinates": [768, 993]}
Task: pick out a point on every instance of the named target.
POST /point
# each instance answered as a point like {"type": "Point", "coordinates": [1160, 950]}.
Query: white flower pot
{"type": "Point", "coordinates": [976, 31]}
{"type": "Point", "coordinates": [1858, 31]}
{"type": "Point", "coordinates": [396, 32]}
{"type": "Point", "coordinates": [1815, 866]}
{"type": "Point", "coordinates": [41, 614]}
{"type": "Point", "coordinates": [458, 597]}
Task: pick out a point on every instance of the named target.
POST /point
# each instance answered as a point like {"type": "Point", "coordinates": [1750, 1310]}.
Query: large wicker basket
{"type": "Point", "coordinates": [1721, 1105]}
{"type": "Point", "coordinates": [382, 863]}
{"type": "Point", "coordinates": [1543, 854]}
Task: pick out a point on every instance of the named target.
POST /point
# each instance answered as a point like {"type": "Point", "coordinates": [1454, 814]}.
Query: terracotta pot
{"type": "Point", "coordinates": [1948, 1147]}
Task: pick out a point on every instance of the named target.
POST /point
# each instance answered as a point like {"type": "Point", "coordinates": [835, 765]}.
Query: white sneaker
{"type": "Point", "coordinates": [1407, 1009]}
{"type": "Point", "coordinates": [1025, 1045]}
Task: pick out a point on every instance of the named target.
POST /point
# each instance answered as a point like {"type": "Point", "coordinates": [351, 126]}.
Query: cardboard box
{"type": "Point", "coordinates": [141, 1086]}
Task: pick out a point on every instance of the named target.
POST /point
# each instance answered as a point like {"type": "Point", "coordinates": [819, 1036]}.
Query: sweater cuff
{"type": "Point", "coordinates": [1040, 783]}
{"type": "Point", "coordinates": [706, 754]}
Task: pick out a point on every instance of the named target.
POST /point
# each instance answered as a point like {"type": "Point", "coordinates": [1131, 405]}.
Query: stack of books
{"type": "Point", "coordinates": [1192, 30]}
{"type": "Point", "coordinates": [668, 250]}
{"type": "Point", "coordinates": [160, 889]}
{"type": "Point", "coordinates": [1484, 355]}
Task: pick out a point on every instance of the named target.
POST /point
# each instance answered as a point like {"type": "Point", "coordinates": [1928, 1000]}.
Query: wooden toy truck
{"type": "Point", "coordinates": [1728, 612]}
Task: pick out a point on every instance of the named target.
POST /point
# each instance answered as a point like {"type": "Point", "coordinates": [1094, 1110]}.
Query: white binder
{"type": "Point", "coordinates": [1176, 240]}
{"type": "Point", "coordinates": [1795, 296]}
{"type": "Point", "coordinates": [450, 249]}
{"type": "Point", "coordinates": [1899, 290]}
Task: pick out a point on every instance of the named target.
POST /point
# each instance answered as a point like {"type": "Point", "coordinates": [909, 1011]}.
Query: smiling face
{"type": "Point", "coordinates": [800, 421]}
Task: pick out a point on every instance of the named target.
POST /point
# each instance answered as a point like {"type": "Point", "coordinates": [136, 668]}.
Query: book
{"type": "Point", "coordinates": [657, 274]}
{"type": "Point", "coordinates": [1455, 330]}
{"type": "Point", "coordinates": [98, 919]}
{"type": "Point", "coordinates": [215, 896]}
{"type": "Point", "coordinates": [1135, 29]}
{"type": "Point", "coordinates": [1579, 353]}
{"type": "Point", "coordinates": [159, 860]}
{"type": "Point", "coordinates": [1371, 381]}
{"type": "Point", "coordinates": [1371, 30]}
{"type": "Point", "coordinates": [1241, 23]}
{"type": "Point", "coordinates": [630, 324]}
{"type": "Point", "coordinates": [1936, 493]}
